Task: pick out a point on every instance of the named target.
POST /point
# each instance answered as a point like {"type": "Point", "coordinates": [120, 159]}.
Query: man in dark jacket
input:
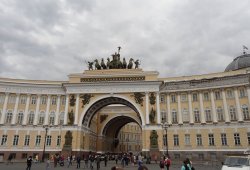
{"type": "Point", "coordinates": [29, 163]}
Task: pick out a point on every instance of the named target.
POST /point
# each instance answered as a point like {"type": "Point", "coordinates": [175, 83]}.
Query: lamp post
{"type": "Point", "coordinates": [165, 127]}
{"type": "Point", "coordinates": [127, 140]}
{"type": "Point", "coordinates": [45, 137]}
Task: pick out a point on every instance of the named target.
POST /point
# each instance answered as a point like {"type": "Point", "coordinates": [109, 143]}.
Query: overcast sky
{"type": "Point", "coordinates": [49, 39]}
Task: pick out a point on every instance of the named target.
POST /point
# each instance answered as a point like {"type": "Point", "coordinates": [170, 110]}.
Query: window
{"type": "Point", "coordinates": [48, 140]}
{"type": "Point", "coordinates": [38, 140]}
{"type": "Point", "coordinates": [173, 98]}
{"type": "Point", "coordinates": [185, 115]}
{"type": "Point", "coordinates": [9, 117]}
{"type": "Point", "coordinates": [217, 95]}
{"type": "Point", "coordinates": [174, 116]}
{"type": "Point", "coordinates": [245, 112]}
{"type": "Point", "coordinates": [33, 99]}
{"type": "Point", "coordinates": [43, 100]}
{"type": "Point", "coordinates": [2, 98]}
{"type": "Point", "coordinates": [61, 118]}
{"type": "Point", "coordinates": [31, 118]}
{"type": "Point", "coordinates": [27, 140]}
{"type": "Point", "coordinates": [52, 118]}
{"type": "Point", "coordinates": [4, 140]}
{"type": "Point", "coordinates": [208, 115]}
{"type": "Point", "coordinates": [199, 140]}
{"type": "Point", "coordinates": [195, 97]}
{"type": "Point", "coordinates": [206, 96]}
{"type": "Point", "coordinates": [63, 101]}
{"type": "Point", "coordinates": [187, 139]}
{"type": "Point", "coordinates": [211, 139]}
{"type": "Point", "coordinates": [176, 140]}
{"type": "Point", "coordinates": [237, 139]}
{"type": "Point", "coordinates": [232, 113]}
{"type": "Point", "coordinates": [53, 100]}
{"type": "Point", "coordinates": [162, 98]}
{"type": "Point", "coordinates": [163, 116]}
{"type": "Point", "coordinates": [12, 99]}
{"type": "Point", "coordinates": [196, 116]}
{"type": "Point", "coordinates": [15, 140]}
{"type": "Point", "coordinates": [20, 118]}
{"type": "Point", "coordinates": [41, 118]}
{"type": "Point", "coordinates": [242, 93]}
{"type": "Point", "coordinates": [220, 114]}
{"type": "Point", "coordinates": [230, 94]}
{"type": "Point", "coordinates": [183, 97]}
{"type": "Point", "coordinates": [23, 99]}
{"type": "Point", "coordinates": [58, 141]}
{"type": "Point", "coordinates": [223, 139]}
{"type": "Point", "coordinates": [248, 137]}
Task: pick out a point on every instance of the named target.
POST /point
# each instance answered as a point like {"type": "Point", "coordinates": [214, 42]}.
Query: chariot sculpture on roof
{"type": "Point", "coordinates": [115, 63]}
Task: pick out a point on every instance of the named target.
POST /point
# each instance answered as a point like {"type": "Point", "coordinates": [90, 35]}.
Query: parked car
{"type": "Point", "coordinates": [236, 162]}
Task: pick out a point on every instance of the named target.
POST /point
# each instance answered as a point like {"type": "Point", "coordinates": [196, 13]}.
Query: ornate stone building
{"type": "Point", "coordinates": [206, 115]}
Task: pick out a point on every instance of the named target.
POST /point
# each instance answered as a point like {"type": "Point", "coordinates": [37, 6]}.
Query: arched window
{"type": "Point", "coordinates": [31, 117]}
{"type": "Point", "coordinates": [245, 112]}
{"type": "Point", "coordinates": [174, 116]}
{"type": "Point", "coordinates": [41, 118]}
{"type": "Point", "coordinates": [52, 118]}
{"type": "Point", "coordinates": [196, 115]}
{"type": "Point", "coordinates": [9, 117]}
{"type": "Point", "coordinates": [20, 118]}
{"type": "Point", "coordinates": [232, 112]}
{"type": "Point", "coordinates": [220, 114]}
{"type": "Point", "coordinates": [61, 118]}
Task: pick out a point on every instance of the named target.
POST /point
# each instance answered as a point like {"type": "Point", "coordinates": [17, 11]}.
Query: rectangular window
{"type": "Point", "coordinates": [58, 142]}
{"type": "Point", "coordinates": [230, 94]}
{"type": "Point", "coordinates": [2, 98]}
{"type": "Point", "coordinates": [163, 116]}
{"type": "Point", "coordinates": [12, 99]}
{"type": "Point", "coordinates": [33, 99]}
{"type": "Point", "coordinates": [195, 97]}
{"type": "Point", "coordinates": [187, 139]}
{"type": "Point", "coordinates": [174, 116]}
{"type": "Point", "coordinates": [23, 99]}
{"type": "Point", "coordinates": [38, 140]}
{"type": "Point", "coordinates": [176, 140]}
{"type": "Point", "coordinates": [53, 100]}
{"type": "Point", "coordinates": [217, 95]}
{"type": "Point", "coordinates": [211, 139]}
{"type": "Point", "coordinates": [220, 114]}
{"type": "Point", "coordinates": [48, 140]}
{"type": "Point", "coordinates": [196, 116]}
{"type": "Point", "coordinates": [27, 140]}
{"type": "Point", "coordinates": [4, 140]}
{"type": "Point", "coordinates": [15, 140]}
{"type": "Point", "coordinates": [208, 115]}
{"type": "Point", "coordinates": [162, 98]}
{"type": "Point", "coordinates": [248, 137]}
{"type": "Point", "coordinates": [206, 96]}
{"type": "Point", "coordinates": [199, 140]}
{"type": "Point", "coordinates": [63, 101]}
{"type": "Point", "coordinates": [223, 139]}
{"type": "Point", "coordinates": [242, 93]}
{"type": "Point", "coordinates": [185, 115]}
{"type": "Point", "coordinates": [183, 97]}
{"type": "Point", "coordinates": [237, 139]}
{"type": "Point", "coordinates": [173, 98]}
{"type": "Point", "coordinates": [232, 112]}
{"type": "Point", "coordinates": [43, 100]}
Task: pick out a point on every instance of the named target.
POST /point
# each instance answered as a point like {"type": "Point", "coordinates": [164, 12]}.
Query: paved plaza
{"type": "Point", "coordinates": [153, 166]}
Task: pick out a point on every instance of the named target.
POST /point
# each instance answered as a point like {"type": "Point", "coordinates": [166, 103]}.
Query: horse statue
{"type": "Point", "coordinates": [130, 64]}
{"type": "Point", "coordinates": [124, 63]}
{"type": "Point", "coordinates": [90, 65]}
{"type": "Point", "coordinates": [97, 65]}
{"type": "Point", "coordinates": [103, 64]}
{"type": "Point", "coordinates": [137, 63]}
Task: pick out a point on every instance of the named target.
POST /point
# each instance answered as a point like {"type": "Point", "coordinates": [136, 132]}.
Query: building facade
{"type": "Point", "coordinates": [207, 116]}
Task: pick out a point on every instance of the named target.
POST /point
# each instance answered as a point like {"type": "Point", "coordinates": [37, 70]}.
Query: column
{"type": "Point", "coordinates": [179, 109]}
{"type": "Point", "coordinates": [4, 107]}
{"type": "Point", "coordinates": [57, 109]}
{"type": "Point", "coordinates": [190, 109]}
{"type": "Point", "coordinates": [215, 120]}
{"type": "Point", "coordinates": [26, 111]}
{"type": "Point", "coordinates": [147, 111]}
{"type": "Point", "coordinates": [37, 109]}
{"type": "Point", "coordinates": [47, 111]}
{"type": "Point", "coordinates": [237, 101]}
{"type": "Point", "coordinates": [202, 108]}
{"type": "Point", "coordinates": [227, 120]}
{"type": "Point", "coordinates": [76, 110]}
{"type": "Point", "coordinates": [169, 110]}
{"type": "Point", "coordinates": [248, 96]}
{"type": "Point", "coordinates": [158, 108]}
{"type": "Point", "coordinates": [66, 110]}
{"type": "Point", "coordinates": [15, 109]}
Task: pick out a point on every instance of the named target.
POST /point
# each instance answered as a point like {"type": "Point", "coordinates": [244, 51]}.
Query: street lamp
{"type": "Point", "coordinates": [165, 127]}
{"type": "Point", "coordinates": [46, 127]}
{"type": "Point", "coordinates": [127, 140]}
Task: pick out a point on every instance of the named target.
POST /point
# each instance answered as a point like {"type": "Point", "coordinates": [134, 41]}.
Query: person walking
{"type": "Point", "coordinates": [29, 163]}
{"type": "Point", "coordinates": [9, 159]}
{"type": "Point", "coordinates": [98, 162]}
{"type": "Point", "coordinates": [78, 161]}
{"type": "Point", "coordinates": [185, 166]}
{"type": "Point", "coordinates": [167, 162]}
{"type": "Point", "coordinates": [48, 164]}
{"type": "Point", "coordinates": [162, 164]}
{"type": "Point", "coordinates": [105, 160]}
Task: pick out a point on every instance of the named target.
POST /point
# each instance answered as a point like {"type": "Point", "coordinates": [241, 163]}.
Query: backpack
{"type": "Point", "coordinates": [161, 164]}
{"type": "Point", "coordinates": [168, 162]}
